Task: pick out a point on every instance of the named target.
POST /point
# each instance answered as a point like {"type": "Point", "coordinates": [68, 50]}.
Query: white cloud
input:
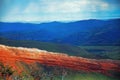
{"type": "Point", "coordinates": [60, 10]}
{"type": "Point", "coordinates": [32, 8]}
{"type": "Point", "coordinates": [67, 6]}
{"type": "Point", "coordinates": [104, 6]}
{"type": "Point", "coordinates": [99, 6]}
{"type": "Point", "coordinates": [75, 6]}
{"type": "Point", "coordinates": [14, 11]}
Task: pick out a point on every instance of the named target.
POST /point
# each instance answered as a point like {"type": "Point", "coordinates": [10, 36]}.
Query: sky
{"type": "Point", "coordinates": [57, 10]}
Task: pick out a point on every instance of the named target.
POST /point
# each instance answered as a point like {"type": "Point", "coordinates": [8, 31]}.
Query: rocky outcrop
{"type": "Point", "coordinates": [12, 55]}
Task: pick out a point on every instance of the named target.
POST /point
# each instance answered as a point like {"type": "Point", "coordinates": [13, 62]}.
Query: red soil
{"type": "Point", "coordinates": [12, 55]}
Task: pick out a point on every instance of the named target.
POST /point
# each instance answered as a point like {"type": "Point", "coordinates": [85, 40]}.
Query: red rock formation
{"type": "Point", "coordinates": [12, 55]}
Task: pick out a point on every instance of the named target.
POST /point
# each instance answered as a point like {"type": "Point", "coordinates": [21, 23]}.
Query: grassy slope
{"type": "Point", "coordinates": [71, 75]}
{"type": "Point", "coordinates": [71, 50]}
{"type": "Point", "coordinates": [111, 52]}
{"type": "Point", "coordinates": [87, 76]}
{"type": "Point", "coordinates": [99, 52]}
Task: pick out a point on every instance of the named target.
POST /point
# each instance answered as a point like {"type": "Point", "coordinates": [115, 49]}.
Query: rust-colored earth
{"type": "Point", "coordinates": [12, 55]}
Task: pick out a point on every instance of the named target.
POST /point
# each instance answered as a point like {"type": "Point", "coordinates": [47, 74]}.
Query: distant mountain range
{"type": "Point", "coordinates": [85, 32]}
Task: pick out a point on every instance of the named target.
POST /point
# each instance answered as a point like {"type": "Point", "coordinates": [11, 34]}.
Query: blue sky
{"type": "Point", "coordinates": [57, 10]}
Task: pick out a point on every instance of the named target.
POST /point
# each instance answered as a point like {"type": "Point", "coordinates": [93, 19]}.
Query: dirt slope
{"type": "Point", "coordinates": [12, 55]}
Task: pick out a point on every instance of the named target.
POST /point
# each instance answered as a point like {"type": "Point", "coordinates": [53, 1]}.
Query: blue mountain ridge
{"type": "Point", "coordinates": [84, 32]}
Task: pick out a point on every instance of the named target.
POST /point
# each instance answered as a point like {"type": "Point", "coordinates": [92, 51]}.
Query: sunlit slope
{"type": "Point", "coordinates": [12, 55]}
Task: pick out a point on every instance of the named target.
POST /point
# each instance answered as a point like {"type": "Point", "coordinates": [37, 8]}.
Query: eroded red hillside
{"type": "Point", "coordinates": [13, 55]}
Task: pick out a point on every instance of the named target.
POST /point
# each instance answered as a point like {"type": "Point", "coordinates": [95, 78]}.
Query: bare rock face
{"type": "Point", "coordinates": [12, 55]}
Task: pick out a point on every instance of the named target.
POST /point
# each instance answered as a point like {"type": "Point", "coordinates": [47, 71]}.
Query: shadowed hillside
{"type": "Point", "coordinates": [94, 52]}
{"type": "Point", "coordinates": [52, 47]}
